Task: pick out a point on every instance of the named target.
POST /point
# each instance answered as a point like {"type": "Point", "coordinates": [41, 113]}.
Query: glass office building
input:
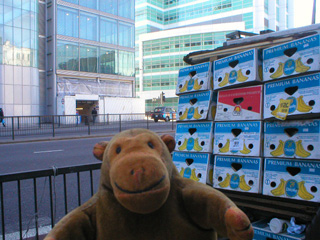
{"type": "Point", "coordinates": [19, 75]}
{"type": "Point", "coordinates": [168, 30]}
{"type": "Point", "coordinates": [59, 56]}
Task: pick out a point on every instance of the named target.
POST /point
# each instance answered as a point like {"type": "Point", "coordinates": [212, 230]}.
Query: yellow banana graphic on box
{"type": "Point", "coordinates": [245, 150]}
{"type": "Point", "coordinates": [241, 77]}
{"type": "Point", "coordinates": [300, 67]}
{"type": "Point", "coordinates": [279, 71]}
{"type": "Point", "coordinates": [211, 176]}
{"type": "Point", "coordinates": [184, 145]}
{"type": "Point", "coordinates": [184, 88]}
{"type": "Point", "coordinates": [226, 147]}
{"type": "Point", "coordinates": [184, 115]}
{"type": "Point", "coordinates": [279, 150]}
{"type": "Point", "coordinates": [181, 171]}
{"type": "Point", "coordinates": [300, 151]}
{"type": "Point", "coordinates": [194, 176]}
{"type": "Point", "coordinates": [280, 190]}
{"type": "Point", "coordinates": [226, 182]}
{"type": "Point", "coordinates": [196, 85]}
{"type": "Point", "coordinates": [196, 114]}
{"type": "Point", "coordinates": [303, 192]}
{"type": "Point", "coordinates": [196, 145]}
{"type": "Point", "coordinates": [243, 185]}
{"type": "Point", "coordinates": [225, 80]}
{"type": "Point", "coordinates": [302, 106]}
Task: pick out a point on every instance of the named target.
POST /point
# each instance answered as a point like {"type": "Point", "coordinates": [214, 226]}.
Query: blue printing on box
{"type": "Point", "coordinates": [226, 127]}
{"type": "Point", "coordinates": [241, 57]}
{"type": "Point", "coordinates": [263, 232]}
{"type": "Point", "coordinates": [309, 126]}
{"type": "Point", "coordinates": [280, 165]}
{"type": "Point", "coordinates": [202, 127]}
{"type": "Point", "coordinates": [200, 68]}
{"type": "Point", "coordinates": [301, 44]}
{"type": "Point", "coordinates": [246, 162]}
{"type": "Point", "coordinates": [201, 97]}
{"type": "Point", "coordinates": [302, 82]}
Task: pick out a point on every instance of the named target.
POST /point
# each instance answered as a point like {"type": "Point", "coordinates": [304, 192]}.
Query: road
{"type": "Point", "coordinates": [42, 155]}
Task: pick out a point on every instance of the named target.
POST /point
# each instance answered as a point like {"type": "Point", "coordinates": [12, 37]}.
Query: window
{"type": "Point", "coordinates": [126, 63]}
{"type": "Point", "coordinates": [108, 30]}
{"type": "Point", "coordinates": [67, 56]}
{"type": "Point", "coordinates": [88, 27]}
{"type": "Point", "coordinates": [108, 6]}
{"type": "Point", "coordinates": [126, 35]}
{"type": "Point", "coordinates": [126, 8]}
{"type": "Point", "coordinates": [107, 61]}
{"type": "Point", "coordinates": [88, 58]}
{"type": "Point", "coordinates": [67, 22]}
{"type": "Point", "coordinates": [89, 4]}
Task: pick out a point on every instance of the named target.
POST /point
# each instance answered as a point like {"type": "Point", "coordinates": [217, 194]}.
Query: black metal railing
{"type": "Point", "coordinates": [32, 202]}
{"type": "Point", "coordinates": [71, 125]}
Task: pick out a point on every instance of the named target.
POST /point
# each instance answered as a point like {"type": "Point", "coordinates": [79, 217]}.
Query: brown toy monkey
{"type": "Point", "coordinates": [142, 197]}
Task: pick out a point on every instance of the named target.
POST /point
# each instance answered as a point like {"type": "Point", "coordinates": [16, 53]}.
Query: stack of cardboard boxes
{"type": "Point", "coordinates": [254, 116]}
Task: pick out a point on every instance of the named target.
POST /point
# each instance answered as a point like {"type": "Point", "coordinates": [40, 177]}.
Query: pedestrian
{"type": "Point", "coordinates": [2, 117]}
{"type": "Point", "coordinates": [94, 115]}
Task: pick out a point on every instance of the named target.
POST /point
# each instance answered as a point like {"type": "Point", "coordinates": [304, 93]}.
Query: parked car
{"type": "Point", "coordinates": [163, 113]}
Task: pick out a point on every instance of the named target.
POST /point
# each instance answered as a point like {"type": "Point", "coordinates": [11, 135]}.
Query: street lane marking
{"type": "Point", "coordinates": [49, 151]}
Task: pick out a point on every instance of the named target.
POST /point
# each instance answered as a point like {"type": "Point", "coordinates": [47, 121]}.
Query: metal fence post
{"type": "Point", "coordinates": [119, 122]}
{"type": "Point", "coordinates": [88, 119]}
{"type": "Point", "coordinates": [18, 122]}
{"type": "Point", "coordinates": [12, 128]}
{"type": "Point", "coordinates": [39, 121]}
{"type": "Point", "coordinates": [147, 120]}
{"type": "Point", "coordinates": [53, 133]}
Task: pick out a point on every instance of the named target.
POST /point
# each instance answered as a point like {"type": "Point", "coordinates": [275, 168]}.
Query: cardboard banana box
{"type": "Point", "coordinates": [237, 69]}
{"type": "Point", "coordinates": [292, 98]}
{"type": "Point", "coordinates": [294, 179]}
{"type": "Point", "coordinates": [240, 104]}
{"type": "Point", "coordinates": [195, 78]}
{"type": "Point", "coordinates": [243, 174]}
{"type": "Point", "coordinates": [197, 106]}
{"type": "Point", "coordinates": [238, 138]}
{"type": "Point", "coordinates": [292, 139]}
{"type": "Point", "coordinates": [196, 166]}
{"type": "Point", "coordinates": [296, 57]}
{"type": "Point", "coordinates": [262, 231]}
{"type": "Point", "coordinates": [194, 137]}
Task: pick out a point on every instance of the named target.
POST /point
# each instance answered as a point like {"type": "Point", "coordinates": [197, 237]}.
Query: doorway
{"type": "Point", "coordinates": [84, 108]}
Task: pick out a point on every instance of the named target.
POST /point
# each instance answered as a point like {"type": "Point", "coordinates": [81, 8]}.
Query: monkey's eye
{"type": "Point", "coordinates": [118, 150]}
{"type": "Point", "coordinates": [150, 145]}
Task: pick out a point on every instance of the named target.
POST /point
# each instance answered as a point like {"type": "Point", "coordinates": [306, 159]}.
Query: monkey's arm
{"type": "Point", "coordinates": [211, 209]}
{"type": "Point", "coordinates": [78, 224]}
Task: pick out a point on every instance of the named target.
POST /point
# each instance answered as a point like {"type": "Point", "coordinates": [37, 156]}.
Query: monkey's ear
{"type": "Point", "coordinates": [169, 141]}
{"type": "Point", "coordinates": [98, 149]}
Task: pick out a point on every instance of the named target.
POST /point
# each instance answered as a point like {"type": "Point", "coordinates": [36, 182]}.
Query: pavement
{"type": "Point", "coordinates": [42, 138]}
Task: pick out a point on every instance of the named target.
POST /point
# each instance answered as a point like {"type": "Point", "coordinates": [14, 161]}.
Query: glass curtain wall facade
{"type": "Point", "coordinates": [157, 16]}
{"type": "Point", "coordinates": [94, 42]}
{"type": "Point", "coordinates": [19, 84]}
{"type": "Point", "coordinates": [111, 38]}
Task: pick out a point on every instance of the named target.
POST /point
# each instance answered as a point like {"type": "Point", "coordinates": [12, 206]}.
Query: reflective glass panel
{"type": "Point", "coordinates": [8, 15]}
{"type": "Point", "coordinates": [126, 35]}
{"type": "Point", "coordinates": [67, 22]}
{"type": "Point", "coordinates": [88, 58]}
{"type": "Point", "coordinates": [26, 19]}
{"type": "Point", "coordinates": [108, 6]}
{"type": "Point", "coordinates": [17, 17]}
{"type": "Point", "coordinates": [126, 8]}
{"type": "Point", "coordinates": [108, 30]}
{"type": "Point", "coordinates": [126, 63]}
{"type": "Point", "coordinates": [88, 26]}
{"type": "Point", "coordinates": [107, 61]}
{"type": "Point", "coordinates": [67, 56]}
{"type": "Point", "coordinates": [89, 3]}
{"type": "Point", "coordinates": [72, 1]}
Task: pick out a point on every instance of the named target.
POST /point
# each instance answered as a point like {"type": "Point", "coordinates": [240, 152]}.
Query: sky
{"type": "Point", "coordinates": [303, 12]}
